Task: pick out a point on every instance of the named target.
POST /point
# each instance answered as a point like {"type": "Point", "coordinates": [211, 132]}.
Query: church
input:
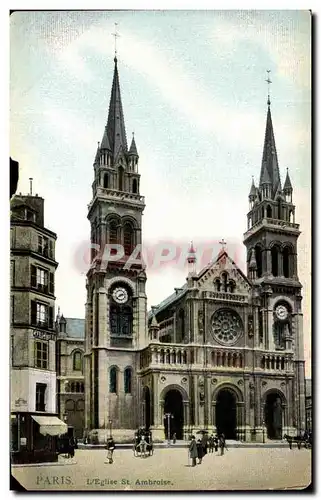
{"type": "Point", "coordinates": [224, 352]}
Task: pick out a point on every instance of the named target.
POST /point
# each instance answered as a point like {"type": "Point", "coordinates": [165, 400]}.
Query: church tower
{"type": "Point", "coordinates": [116, 308]}
{"type": "Point", "coordinates": [271, 243]}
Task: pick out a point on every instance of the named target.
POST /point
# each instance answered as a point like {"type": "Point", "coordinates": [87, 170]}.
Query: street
{"type": "Point", "coordinates": [169, 469]}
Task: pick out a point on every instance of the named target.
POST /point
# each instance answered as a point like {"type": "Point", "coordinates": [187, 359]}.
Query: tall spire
{"type": "Point", "coordinates": [269, 158]}
{"type": "Point", "coordinates": [115, 132]}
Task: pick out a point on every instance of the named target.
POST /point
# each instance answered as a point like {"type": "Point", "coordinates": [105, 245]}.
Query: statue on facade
{"type": "Point", "coordinates": [277, 418]}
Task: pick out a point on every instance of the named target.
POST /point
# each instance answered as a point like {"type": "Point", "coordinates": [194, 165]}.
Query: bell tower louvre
{"type": "Point", "coordinates": [116, 307]}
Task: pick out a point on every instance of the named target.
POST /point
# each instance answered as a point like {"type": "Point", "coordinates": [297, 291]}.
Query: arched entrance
{"type": "Point", "coordinates": [173, 406]}
{"type": "Point", "coordinates": [226, 413]}
{"type": "Point", "coordinates": [273, 415]}
{"type": "Point", "coordinates": [146, 408]}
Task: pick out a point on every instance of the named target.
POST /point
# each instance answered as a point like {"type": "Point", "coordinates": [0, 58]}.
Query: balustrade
{"type": "Point", "coordinates": [276, 362]}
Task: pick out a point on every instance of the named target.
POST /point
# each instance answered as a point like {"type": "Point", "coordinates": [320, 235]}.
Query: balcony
{"type": "Point", "coordinates": [182, 356]}
{"type": "Point", "coordinates": [118, 196]}
{"type": "Point", "coordinates": [231, 297]}
{"type": "Point", "coordinates": [276, 223]}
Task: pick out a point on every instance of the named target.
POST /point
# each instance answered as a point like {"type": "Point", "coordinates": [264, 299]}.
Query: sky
{"type": "Point", "coordinates": [194, 92]}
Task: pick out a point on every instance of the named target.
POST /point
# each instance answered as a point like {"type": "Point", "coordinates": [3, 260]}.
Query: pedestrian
{"type": "Point", "coordinates": [216, 443]}
{"type": "Point", "coordinates": [222, 443]}
{"type": "Point", "coordinates": [72, 445]}
{"type": "Point", "coordinates": [110, 450]}
{"type": "Point", "coordinates": [193, 451]}
{"type": "Point", "coordinates": [211, 444]}
{"type": "Point", "coordinates": [200, 452]}
{"type": "Point", "coordinates": [174, 438]}
{"type": "Point", "coordinates": [204, 444]}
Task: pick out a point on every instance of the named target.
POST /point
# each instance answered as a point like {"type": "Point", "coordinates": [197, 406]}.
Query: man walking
{"type": "Point", "coordinates": [110, 450]}
{"type": "Point", "coordinates": [193, 451]}
{"type": "Point", "coordinates": [222, 443]}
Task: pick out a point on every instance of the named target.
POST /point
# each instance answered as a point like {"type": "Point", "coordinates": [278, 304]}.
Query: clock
{"type": "Point", "coordinates": [281, 312]}
{"type": "Point", "coordinates": [120, 295]}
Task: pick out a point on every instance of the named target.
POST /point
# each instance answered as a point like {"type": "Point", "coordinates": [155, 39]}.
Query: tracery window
{"type": "Point", "coordinates": [227, 326]}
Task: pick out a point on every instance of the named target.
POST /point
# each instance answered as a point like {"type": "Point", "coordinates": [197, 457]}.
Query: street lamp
{"type": "Point", "coordinates": [168, 416]}
{"type": "Point", "coordinates": [110, 426]}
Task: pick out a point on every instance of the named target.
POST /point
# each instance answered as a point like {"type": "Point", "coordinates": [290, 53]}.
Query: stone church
{"type": "Point", "coordinates": [225, 351]}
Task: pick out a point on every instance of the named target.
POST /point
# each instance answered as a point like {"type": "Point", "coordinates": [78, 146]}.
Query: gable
{"type": "Point", "coordinates": [223, 270]}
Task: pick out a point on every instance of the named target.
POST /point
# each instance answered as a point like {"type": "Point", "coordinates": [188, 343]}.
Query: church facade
{"type": "Point", "coordinates": [225, 351]}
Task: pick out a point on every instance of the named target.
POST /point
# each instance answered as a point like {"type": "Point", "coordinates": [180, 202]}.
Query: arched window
{"type": "Point", "coordinates": [291, 216]}
{"type": "Point", "coordinates": [70, 405]}
{"type": "Point", "coordinates": [113, 380]}
{"type": "Point", "coordinates": [106, 181]}
{"type": "Point", "coordinates": [121, 319]}
{"type": "Point", "coordinates": [269, 212]}
{"type": "Point", "coordinates": [218, 284]}
{"type": "Point", "coordinates": [128, 381]}
{"type": "Point", "coordinates": [224, 279]}
{"type": "Point", "coordinates": [128, 238]}
{"type": "Point", "coordinates": [82, 387]}
{"type": "Point", "coordinates": [261, 327]}
{"type": "Point", "coordinates": [258, 258]}
{"type": "Point", "coordinates": [232, 286]}
{"type": "Point", "coordinates": [120, 179]}
{"type": "Point", "coordinates": [275, 260]}
{"type": "Point", "coordinates": [72, 387]}
{"type": "Point", "coordinates": [77, 361]}
{"type": "Point", "coordinates": [135, 186]}
{"type": "Point", "coordinates": [113, 230]}
{"type": "Point", "coordinates": [286, 262]}
{"type": "Point", "coordinates": [262, 213]}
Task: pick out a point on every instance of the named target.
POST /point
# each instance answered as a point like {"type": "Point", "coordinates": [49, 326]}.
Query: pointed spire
{"type": "Point", "coordinates": [269, 158]}
{"type": "Point", "coordinates": [252, 193]}
{"type": "Point", "coordinates": [105, 141]}
{"type": "Point", "coordinates": [97, 153]}
{"type": "Point", "coordinates": [133, 148]}
{"type": "Point", "coordinates": [287, 183]}
{"type": "Point", "coordinates": [191, 258]}
{"type": "Point", "coordinates": [116, 124]}
{"type": "Point", "coordinates": [154, 323]}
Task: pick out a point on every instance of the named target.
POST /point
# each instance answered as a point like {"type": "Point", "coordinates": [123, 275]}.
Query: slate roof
{"type": "Point", "coordinates": [75, 328]}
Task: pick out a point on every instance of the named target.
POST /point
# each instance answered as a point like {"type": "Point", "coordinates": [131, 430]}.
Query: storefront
{"type": "Point", "coordinates": [34, 437]}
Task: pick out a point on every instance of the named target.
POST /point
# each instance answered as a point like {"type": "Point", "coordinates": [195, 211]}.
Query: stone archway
{"type": "Point", "coordinates": [228, 411]}
{"type": "Point", "coordinates": [226, 421]}
{"type": "Point", "coordinates": [273, 410]}
{"type": "Point", "coordinates": [174, 400]}
{"type": "Point", "coordinates": [173, 414]}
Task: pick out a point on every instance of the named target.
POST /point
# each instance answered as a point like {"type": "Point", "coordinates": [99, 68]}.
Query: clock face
{"type": "Point", "coordinates": [120, 295]}
{"type": "Point", "coordinates": [281, 312]}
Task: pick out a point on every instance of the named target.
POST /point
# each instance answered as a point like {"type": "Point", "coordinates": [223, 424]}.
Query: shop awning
{"type": "Point", "coordinates": [50, 425]}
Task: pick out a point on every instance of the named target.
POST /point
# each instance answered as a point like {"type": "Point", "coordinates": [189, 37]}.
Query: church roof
{"type": "Point", "coordinates": [75, 328]}
{"type": "Point", "coordinates": [253, 189]}
{"type": "Point", "coordinates": [179, 292]}
{"type": "Point", "coordinates": [116, 132]}
{"type": "Point", "coordinates": [269, 157]}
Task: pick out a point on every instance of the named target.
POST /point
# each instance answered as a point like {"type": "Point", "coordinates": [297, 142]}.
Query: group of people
{"type": "Point", "coordinates": [198, 449]}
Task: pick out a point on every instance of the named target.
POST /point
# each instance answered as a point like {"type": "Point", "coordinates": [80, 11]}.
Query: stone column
{"type": "Point", "coordinates": [213, 408]}
{"type": "Point", "coordinates": [280, 263]}
{"type": "Point", "coordinates": [270, 329]}
{"type": "Point", "coordinates": [268, 261]}
{"type": "Point", "coordinates": [196, 417]}
{"type": "Point", "coordinates": [103, 320]}
{"type": "Point", "coordinates": [103, 389]}
{"type": "Point", "coordinates": [240, 419]}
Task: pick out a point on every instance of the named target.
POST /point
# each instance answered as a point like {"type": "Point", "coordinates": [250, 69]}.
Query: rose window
{"type": "Point", "coordinates": [226, 326]}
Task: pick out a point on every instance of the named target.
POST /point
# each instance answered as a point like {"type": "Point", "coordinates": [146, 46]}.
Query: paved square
{"type": "Point", "coordinates": [239, 469]}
